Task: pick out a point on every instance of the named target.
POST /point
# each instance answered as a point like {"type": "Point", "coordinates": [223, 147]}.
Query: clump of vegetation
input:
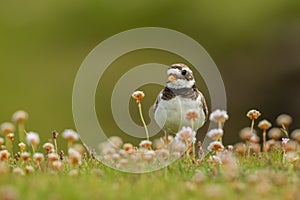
{"type": "Point", "coordinates": [179, 166]}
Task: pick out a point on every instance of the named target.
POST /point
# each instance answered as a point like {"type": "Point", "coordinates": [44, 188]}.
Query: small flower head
{"type": "Point", "coordinates": [49, 147]}
{"type": "Point", "coordinates": [284, 119]}
{"type": "Point", "coordinates": [215, 146]}
{"type": "Point", "coordinates": [74, 157]}
{"type": "Point", "coordinates": [254, 139]}
{"type": "Point", "coordinates": [246, 134]}
{"type": "Point", "coordinates": [145, 144]}
{"type": "Point", "coordinates": [7, 128]}
{"type": "Point", "coordinates": [29, 169]}
{"type": "Point", "coordinates": [215, 134]}
{"type": "Point", "coordinates": [52, 157]}
{"type": "Point", "coordinates": [292, 157]}
{"type": "Point", "coordinates": [115, 141]}
{"type": "Point", "coordinates": [218, 116]}
{"type": "Point", "coordinates": [138, 95]}
{"type": "Point", "coordinates": [20, 117]}
{"type": "Point", "coordinates": [32, 138]}
{"type": "Point", "coordinates": [264, 124]}
{"type": "Point", "coordinates": [186, 135]}
{"type": "Point", "coordinates": [1, 141]}
{"type": "Point", "coordinates": [57, 165]}
{"type": "Point", "coordinates": [4, 154]}
{"type": "Point", "coordinates": [25, 156]}
{"type": "Point", "coordinates": [253, 114]}
{"type": "Point", "coordinates": [127, 147]}
{"type": "Point", "coordinates": [285, 140]}
{"type": "Point", "coordinates": [240, 148]}
{"type": "Point", "coordinates": [192, 115]}
{"type": "Point", "coordinates": [70, 135]}
{"type": "Point", "coordinates": [275, 133]}
{"type": "Point", "coordinates": [22, 146]}
{"type": "Point", "coordinates": [296, 135]}
{"type": "Point", "coordinates": [11, 136]}
{"type": "Point", "coordinates": [38, 157]}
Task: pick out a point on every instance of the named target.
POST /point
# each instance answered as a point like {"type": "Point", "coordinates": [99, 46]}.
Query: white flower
{"type": "Point", "coordinates": [70, 135]}
{"type": "Point", "coordinates": [7, 127]}
{"type": "Point", "coordinates": [215, 134]}
{"type": "Point", "coordinates": [138, 95]}
{"type": "Point", "coordinates": [215, 146]}
{"type": "Point", "coordinates": [186, 135]}
{"type": "Point", "coordinates": [74, 156]}
{"type": "Point", "coordinates": [38, 157]}
{"type": "Point", "coordinates": [32, 138]}
{"type": "Point", "coordinates": [145, 144]}
{"type": "Point", "coordinates": [285, 140]}
{"type": "Point", "coordinates": [218, 116]}
{"type": "Point", "coordinates": [20, 116]}
{"type": "Point", "coordinates": [253, 114]}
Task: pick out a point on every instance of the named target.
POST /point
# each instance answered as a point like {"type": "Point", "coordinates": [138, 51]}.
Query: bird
{"type": "Point", "coordinates": [179, 97]}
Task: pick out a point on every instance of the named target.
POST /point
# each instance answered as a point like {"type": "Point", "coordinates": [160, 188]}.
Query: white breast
{"type": "Point", "coordinates": [171, 115]}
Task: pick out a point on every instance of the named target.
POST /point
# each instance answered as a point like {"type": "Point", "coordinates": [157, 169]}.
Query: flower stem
{"type": "Point", "coordinates": [143, 121]}
{"type": "Point", "coordinates": [21, 129]}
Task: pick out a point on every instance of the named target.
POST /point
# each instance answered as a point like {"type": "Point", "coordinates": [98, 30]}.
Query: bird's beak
{"type": "Point", "coordinates": [171, 78]}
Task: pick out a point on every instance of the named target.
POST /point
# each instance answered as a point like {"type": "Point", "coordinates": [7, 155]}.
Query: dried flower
{"type": "Point", "coordinates": [264, 124]}
{"type": "Point", "coordinates": [7, 128]}
{"type": "Point", "coordinates": [218, 116]}
{"type": "Point", "coordinates": [253, 114]}
{"type": "Point", "coordinates": [215, 134]}
{"type": "Point", "coordinates": [32, 138]}
{"type": "Point", "coordinates": [70, 135]}
{"type": "Point", "coordinates": [186, 135]}
{"type": "Point", "coordinates": [275, 133]}
{"type": "Point", "coordinates": [284, 119]}
{"type": "Point", "coordinates": [145, 144]}
{"type": "Point", "coordinates": [215, 146]}
{"type": "Point", "coordinates": [138, 95]}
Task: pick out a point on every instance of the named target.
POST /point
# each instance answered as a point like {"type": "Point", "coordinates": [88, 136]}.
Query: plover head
{"type": "Point", "coordinates": [180, 76]}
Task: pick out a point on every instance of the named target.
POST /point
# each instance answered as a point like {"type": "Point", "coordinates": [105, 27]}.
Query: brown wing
{"type": "Point", "coordinates": [204, 105]}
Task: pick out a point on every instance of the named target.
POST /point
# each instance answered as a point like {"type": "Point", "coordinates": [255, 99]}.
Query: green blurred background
{"type": "Point", "coordinates": [255, 44]}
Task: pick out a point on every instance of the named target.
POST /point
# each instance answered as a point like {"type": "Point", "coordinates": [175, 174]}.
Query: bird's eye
{"type": "Point", "coordinates": [183, 72]}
